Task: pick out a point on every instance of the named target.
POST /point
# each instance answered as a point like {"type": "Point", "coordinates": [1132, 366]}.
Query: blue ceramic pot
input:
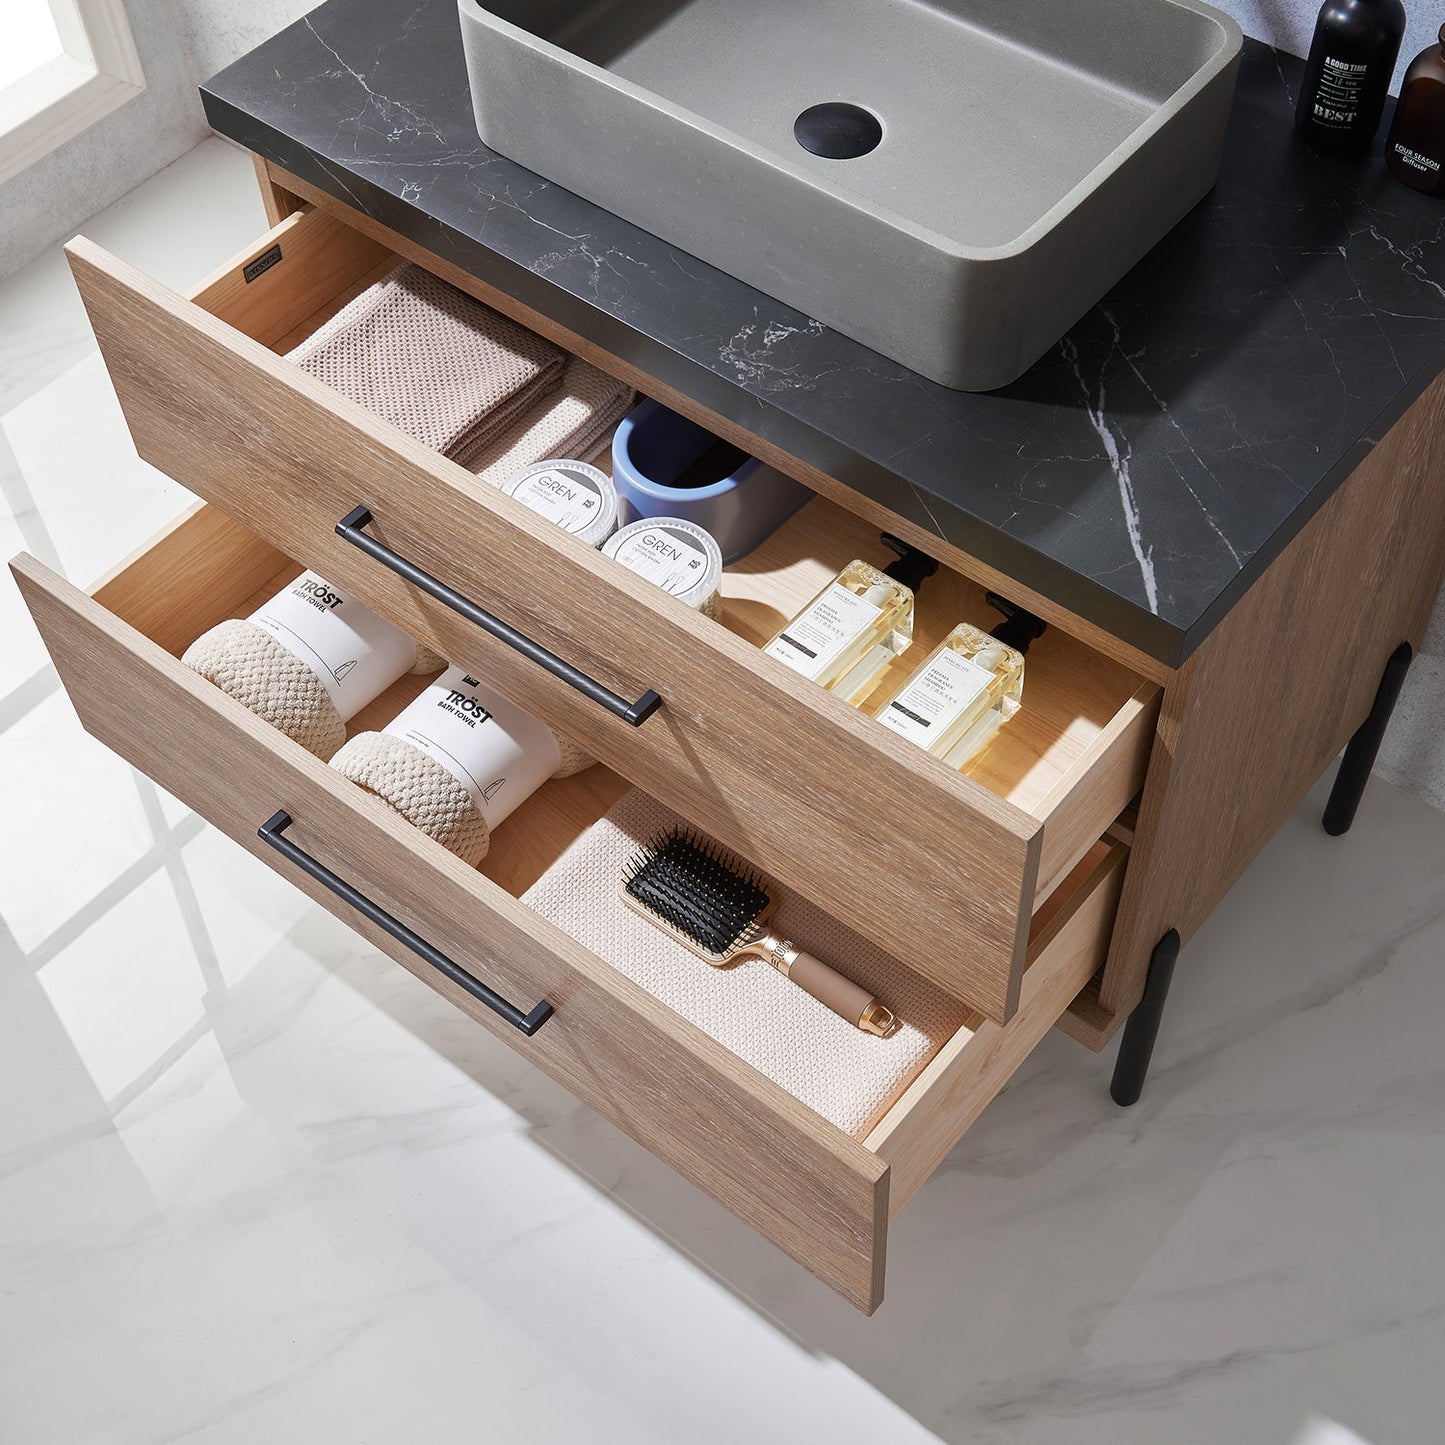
{"type": "Point", "coordinates": [654, 446]}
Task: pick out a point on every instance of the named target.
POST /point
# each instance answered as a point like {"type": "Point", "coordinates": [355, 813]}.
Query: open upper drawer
{"type": "Point", "coordinates": [817, 1192]}
{"type": "Point", "coordinates": [943, 869]}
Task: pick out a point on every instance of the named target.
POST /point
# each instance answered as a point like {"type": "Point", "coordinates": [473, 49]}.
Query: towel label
{"type": "Point", "coordinates": [817, 636]}
{"type": "Point", "coordinates": [500, 754]}
{"type": "Point", "coordinates": [667, 556]}
{"type": "Point", "coordinates": [935, 697]}
{"type": "Point", "coordinates": [355, 654]}
{"type": "Point", "coordinates": [569, 498]}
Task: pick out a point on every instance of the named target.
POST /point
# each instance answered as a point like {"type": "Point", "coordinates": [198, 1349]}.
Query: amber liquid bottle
{"type": "Point", "coordinates": [967, 688]}
{"type": "Point", "coordinates": [857, 625]}
{"type": "Point", "coordinates": [1415, 152]}
{"type": "Point", "coordinates": [1347, 75]}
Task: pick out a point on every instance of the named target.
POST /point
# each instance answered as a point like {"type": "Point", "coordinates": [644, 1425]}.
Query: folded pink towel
{"type": "Point", "coordinates": [433, 361]}
{"type": "Point", "coordinates": [847, 1076]}
{"type": "Point", "coordinates": [572, 422]}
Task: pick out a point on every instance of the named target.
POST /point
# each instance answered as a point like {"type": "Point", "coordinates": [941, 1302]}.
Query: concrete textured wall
{"type": "Point", "coordinates": [220, 31]}
{"type": "Point", "coordinates": [1290, 25]}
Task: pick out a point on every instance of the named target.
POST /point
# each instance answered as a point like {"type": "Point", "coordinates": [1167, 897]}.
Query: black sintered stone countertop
{"type": "Point", "coordinates": [1141, 474]}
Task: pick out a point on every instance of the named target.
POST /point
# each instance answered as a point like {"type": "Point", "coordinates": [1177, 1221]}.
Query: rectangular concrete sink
{"type": "Point", "coordinates": [951, 182]}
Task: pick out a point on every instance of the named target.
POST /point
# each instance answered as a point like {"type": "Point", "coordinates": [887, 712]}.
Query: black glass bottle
{"type": "Point", "coordinates": [1415, 152]}
{"type": "Point", "coordinates": [1347, 75]}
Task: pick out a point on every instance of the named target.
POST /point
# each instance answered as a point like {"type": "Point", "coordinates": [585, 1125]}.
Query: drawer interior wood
{"type": "Point", "coordinates": [207, 568]}
{"type": "Point", "coordinates": [1077, 703]}
{"type": "Point", "coordinates": [989, 847]}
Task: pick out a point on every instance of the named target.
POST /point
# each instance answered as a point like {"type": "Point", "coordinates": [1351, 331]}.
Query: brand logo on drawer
{"type": "Point", "coordinates": [263, 263]}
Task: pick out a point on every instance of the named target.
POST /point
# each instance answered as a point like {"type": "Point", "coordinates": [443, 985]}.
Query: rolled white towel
{"type": "Point", "coordinates": [458, 760]}
{"type": "Point", "coordinates": [308, 661]}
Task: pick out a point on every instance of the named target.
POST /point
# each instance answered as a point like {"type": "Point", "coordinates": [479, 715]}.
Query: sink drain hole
{"type": "Point", "coordinates": [837, 130]}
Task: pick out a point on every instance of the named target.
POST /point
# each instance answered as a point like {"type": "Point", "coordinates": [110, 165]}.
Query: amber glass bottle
{"type": "Point", "coordinates": [1415, 152]}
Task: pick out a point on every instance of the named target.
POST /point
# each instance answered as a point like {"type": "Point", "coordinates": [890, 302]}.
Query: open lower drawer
{"type": "Point", "coordinates": [819, 1194]}
{"type": "Point", "coordinates": [780, 770]}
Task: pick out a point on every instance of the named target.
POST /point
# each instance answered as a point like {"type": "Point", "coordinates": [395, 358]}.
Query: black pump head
{"type": "Point", "coordinates": [912, 565]}
{"type": "Point", "coordinates": [1019, 628]}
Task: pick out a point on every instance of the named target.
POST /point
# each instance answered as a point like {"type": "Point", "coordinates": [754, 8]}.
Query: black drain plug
{"type": "Point", "coordinates": [837, 130]}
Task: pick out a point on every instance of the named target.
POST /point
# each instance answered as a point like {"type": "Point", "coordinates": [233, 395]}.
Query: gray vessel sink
{"type": "Point", "coordinates": [951, 182]}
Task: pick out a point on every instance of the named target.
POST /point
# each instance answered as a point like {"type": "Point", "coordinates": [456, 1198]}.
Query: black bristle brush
{"type": "Point", "coordinates": [718, 906]}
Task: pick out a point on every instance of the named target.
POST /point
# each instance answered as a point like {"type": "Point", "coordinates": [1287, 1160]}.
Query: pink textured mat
{"type": "Point", "coordinates": [847, 1076]}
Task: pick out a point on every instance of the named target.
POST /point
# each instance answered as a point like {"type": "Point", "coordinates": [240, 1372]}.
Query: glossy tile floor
{"type": "Point", "coordinates": [257, 1184]}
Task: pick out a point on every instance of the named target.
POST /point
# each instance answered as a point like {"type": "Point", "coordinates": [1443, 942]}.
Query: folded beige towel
{"type": "Point", "coordinates": [847, 1076]}
{"type": "Point", "coordinates": [433, 361]}
{"type": "Point", "coordinates": [571, 423]}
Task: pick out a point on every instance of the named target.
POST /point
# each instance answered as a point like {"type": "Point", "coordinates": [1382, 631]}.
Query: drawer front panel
{"type": "Point", "coordinates": [818, 1195]}
{"type": "Point", "coordinates": [933, 867]}
{"type": "Point", "coordinates": [1069, 942]}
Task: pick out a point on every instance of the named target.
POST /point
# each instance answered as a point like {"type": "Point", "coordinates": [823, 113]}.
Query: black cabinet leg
{"type": "Point", "coordinates": [1362, 749]}
{"type": "Point", "coordinates": [1142, 1026]}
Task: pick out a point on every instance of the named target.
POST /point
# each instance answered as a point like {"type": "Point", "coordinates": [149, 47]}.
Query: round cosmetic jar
{"type": "Point", "coordinates": [577, 496]}
{"type": "Point", "coordinates": [676, 555]}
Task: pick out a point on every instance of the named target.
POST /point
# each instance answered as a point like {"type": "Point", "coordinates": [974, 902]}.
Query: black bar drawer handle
{"type": "Point", "coordinates": [270, 832]}
{"type": "Point", "coordinates": [635, 713]}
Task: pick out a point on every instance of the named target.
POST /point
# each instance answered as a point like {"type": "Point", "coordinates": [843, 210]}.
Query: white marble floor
{"type": "Point", "coordinates": [259, 1185]}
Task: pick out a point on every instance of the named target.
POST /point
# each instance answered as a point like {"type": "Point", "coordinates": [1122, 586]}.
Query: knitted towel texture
{"type": "Point", "coordinates": [251, 666]}
{"type": "Point", "coordinates": [847, 1076]}
{"type": "Point", "coordinates": [425, 793]}
{"type": "Point", "coordinates": [248, 664]}
{"type": "Point", "coordinates": [433, 361]}
{"type": "Point", "coordinates": [419, 788]}
{"type": "Point", "coordinates": [571, 423]}
{"type": "Point", "coordinates": [712, 605]}
{"type": "Point", "coordinates": [574, 757]}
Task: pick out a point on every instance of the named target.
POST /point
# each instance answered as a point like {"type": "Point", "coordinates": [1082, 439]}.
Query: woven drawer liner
{"type": "Point", "coordinates": [847, 1076]}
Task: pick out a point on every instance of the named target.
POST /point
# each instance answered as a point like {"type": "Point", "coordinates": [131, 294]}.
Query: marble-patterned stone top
{"type": "Point", "coordinates": [1142, 474]}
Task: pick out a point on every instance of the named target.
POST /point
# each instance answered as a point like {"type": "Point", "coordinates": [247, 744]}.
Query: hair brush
{"type": "Point", "coordinates": [718, 907]}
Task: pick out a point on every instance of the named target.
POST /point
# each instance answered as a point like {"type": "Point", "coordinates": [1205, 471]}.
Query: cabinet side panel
{"type": "Point", "coordinates": [1260, 711]}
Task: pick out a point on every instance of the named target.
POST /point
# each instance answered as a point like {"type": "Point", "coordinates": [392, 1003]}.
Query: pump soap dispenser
{"type": "Point", "coordinates": [857, 625]}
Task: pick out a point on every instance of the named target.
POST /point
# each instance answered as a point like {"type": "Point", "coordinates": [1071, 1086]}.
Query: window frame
{"type": "Point", "coordinates": [99, 69]}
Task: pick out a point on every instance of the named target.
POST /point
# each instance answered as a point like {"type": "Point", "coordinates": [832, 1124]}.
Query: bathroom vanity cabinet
{"type": "Point", "coordinates": [1167, 729]}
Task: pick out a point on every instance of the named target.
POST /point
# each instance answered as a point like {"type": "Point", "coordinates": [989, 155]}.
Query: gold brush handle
{"type": "Point", "coordinates": [846, 998]}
